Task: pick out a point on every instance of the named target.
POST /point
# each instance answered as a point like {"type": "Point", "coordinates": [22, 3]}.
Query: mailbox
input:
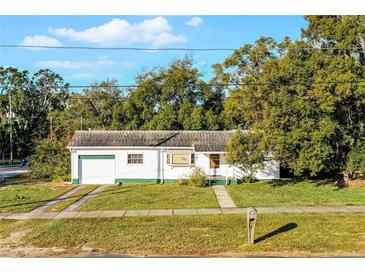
{"type": "Point", "coordinates": [251, 213]}
{"type": "Point", "coordinates": [251, 223]}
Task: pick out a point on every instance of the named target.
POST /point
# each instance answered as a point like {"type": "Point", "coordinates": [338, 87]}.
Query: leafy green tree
{"type": "Point", "coordinates": [309, 128]}
{"type": "Point", "coordinates": [174, 97]}
{"type": "Point", "coordinates": [33, 99]}
{"type": "Point", "coordinates": [356, 160]}
{"type": "Point", "coordinates": [92, 108]}
{"type": "Point", "coordinates": [51, 160]}
{"type": "Point", "coordinates": [245, 152]}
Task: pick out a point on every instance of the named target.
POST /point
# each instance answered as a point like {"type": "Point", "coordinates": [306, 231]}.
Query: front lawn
{"type": "Point", "coordinates": [294, 193]}
{"type": "Point", "coordinates": [139, 196]}
{"type": "Point", "coordinates": [22, 194]}
{"type": "Point", "coordinates": [284, 235]}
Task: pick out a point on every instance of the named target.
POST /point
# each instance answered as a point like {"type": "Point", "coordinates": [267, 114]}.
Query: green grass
{"type": "Point", "coordinates": [22, 194]}
{"type": "Point", "coordinates": [138, 196]}
{"type": "Point", "coordinates": [210, 235]}
{"type": "Point", "coordinates": [294, 193]}
{"type": "Point", "coordinates": [71, 199]}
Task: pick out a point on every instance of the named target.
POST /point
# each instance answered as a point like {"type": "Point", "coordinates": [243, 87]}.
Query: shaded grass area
{"type": "Point", "coordinates": [139, 196]}
{"type": "Point", "coordinates": [294, 193]}
{"type": "Point", "coordinates": [22, 194]}
{"type": "Point", "coordinates": [219, 235]}
{"type": "Point", "coordinates": [61, 205]}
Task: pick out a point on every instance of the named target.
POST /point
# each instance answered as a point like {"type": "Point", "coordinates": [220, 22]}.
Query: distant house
{"type": "Point", "coordinates": [107, 157]}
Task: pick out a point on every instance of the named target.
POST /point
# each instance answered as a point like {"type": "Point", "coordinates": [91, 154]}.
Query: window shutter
{"type": "Point", "coordinates": [168, 159]}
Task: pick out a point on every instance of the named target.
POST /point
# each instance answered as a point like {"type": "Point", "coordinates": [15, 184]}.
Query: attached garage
{"type": "Point", "coordinates": [97, 169]}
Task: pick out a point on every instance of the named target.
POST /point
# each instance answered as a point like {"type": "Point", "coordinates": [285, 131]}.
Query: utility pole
{"type": "Point", "coordinates": [51, 126]}
{"type": "Point", "coordinates": [11, 116]}
{"type": "Point", "coordinates": [2, 170]}
{"type": "Point", "coordinates": [81, 123]}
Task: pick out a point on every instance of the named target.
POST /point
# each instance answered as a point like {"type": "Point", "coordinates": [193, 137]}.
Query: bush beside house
{"type": "Point", "coordinates": [51, 160]}
{"type": "Point", "coordinates": [197, 178]}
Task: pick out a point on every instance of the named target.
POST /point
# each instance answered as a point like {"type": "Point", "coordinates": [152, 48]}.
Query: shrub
{"type": "Point", "coordinates": [356, 159]}
{"type": "Point", "coordinates": [182, 181]}
{"type": "Point", "coordinates": [51, 160]}
{"type": "Point", "coordinates": [198, 178]}
{"type": "Point", "coordinates": [248, 179]}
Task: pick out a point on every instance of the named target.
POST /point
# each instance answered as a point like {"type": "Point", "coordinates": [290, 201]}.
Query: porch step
{"type": "Point", "coordinates": [220, 180]}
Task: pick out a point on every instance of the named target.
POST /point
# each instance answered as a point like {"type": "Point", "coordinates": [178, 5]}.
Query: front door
{"type": "Point", "coordinates": [214, 164]}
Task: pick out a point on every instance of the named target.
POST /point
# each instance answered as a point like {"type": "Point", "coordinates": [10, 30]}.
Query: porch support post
{"type": "Point", "coordinates": [161, 166]}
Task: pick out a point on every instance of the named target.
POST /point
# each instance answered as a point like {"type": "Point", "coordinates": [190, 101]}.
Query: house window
{"type": "Point", "coordinates": [214, 161]}
{"type": "Point", "coordinates": [135, 159]}
{"type": "Point", "coordinates": [180, 159]}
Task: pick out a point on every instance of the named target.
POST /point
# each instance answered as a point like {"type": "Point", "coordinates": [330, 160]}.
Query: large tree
{"type": "Point", "coordinates": [301, 99]}
{"type": "Point", "coordinates": [172, 97]}
{"type": "Point", "coordinates": [33, 98]}
{"type": "Point", "coordinates": [91, 108]}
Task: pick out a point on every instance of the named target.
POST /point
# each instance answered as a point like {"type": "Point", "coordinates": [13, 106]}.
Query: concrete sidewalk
{"type": "Point", "coordinates": [176, 212]}
{"type": "Point", "coordinates": [223, 198]}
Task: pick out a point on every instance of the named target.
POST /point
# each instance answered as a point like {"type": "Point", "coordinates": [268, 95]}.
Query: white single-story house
{"type": "Point", "coordinates": [128, 156]}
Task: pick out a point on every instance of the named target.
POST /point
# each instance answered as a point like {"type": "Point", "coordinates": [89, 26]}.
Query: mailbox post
{"type": "Point", "coordinates": [251, 222]}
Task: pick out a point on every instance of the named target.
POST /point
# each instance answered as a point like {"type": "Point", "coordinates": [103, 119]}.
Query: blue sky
{"type": "Point", "coordinates": [82, 67]}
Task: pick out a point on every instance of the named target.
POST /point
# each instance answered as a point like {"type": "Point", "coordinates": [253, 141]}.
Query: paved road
{"type": "Point", "coordinates": [6, 171]}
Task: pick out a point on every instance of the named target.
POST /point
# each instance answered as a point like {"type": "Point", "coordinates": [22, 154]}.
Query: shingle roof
{"type": "Point", "coordinates": [200, 140]}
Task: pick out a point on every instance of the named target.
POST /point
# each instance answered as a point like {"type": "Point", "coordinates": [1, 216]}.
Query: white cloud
{"type": "Point", "coordinates": [101, 64]}
{"type": "Point", "coordinates": [156, 32]}
{"type": "Point", "coordinates": [40, 40]}
{"type": "Point", "coordinates": [194, 22]}
{"type": "Point", "coordinates": [83, 75]}
{"type": "Point", "coordinates": [75, 64]}
{"type": "Point", "coordinates": [128, 64]}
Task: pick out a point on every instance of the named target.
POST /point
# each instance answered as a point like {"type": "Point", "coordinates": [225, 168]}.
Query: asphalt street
{"type": "Point", "coordinates": [6, 171]}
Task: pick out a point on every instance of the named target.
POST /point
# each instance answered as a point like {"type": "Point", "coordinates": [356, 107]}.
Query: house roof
{"type": "Point", "coordinates": [204, 141]}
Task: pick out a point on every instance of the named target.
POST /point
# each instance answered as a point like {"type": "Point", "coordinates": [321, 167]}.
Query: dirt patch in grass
{"type": "Point", "coordinates": [356, 183]}
{"type": "Point", "coordinates": [13, 245]}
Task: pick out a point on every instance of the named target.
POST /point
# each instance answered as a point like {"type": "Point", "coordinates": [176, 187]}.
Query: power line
{"type": "Point", "coordinates": [220, 85]}
{"type": "Point", "coordinates": [86, 97]}
{"type": "Point", "coordinates": [229, 85]}
{"type": "Point", "coordinates": [353, 49]}
{"type": "Point", "coordinates": [116, 48]}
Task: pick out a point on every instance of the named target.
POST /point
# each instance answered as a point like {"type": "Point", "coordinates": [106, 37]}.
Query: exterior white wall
{"type": "Point", "coordinates": [175, 172]}
{"type": "Point", "coordinates": [271, 171]}
{"type": "Point", "coordinates": [148, 170]}
{"type": "Point", "coordinates": [151, 167]}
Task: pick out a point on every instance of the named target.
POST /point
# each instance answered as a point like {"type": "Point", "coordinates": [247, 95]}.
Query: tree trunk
{"type": "Point", "coordinates": [344, 180]}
